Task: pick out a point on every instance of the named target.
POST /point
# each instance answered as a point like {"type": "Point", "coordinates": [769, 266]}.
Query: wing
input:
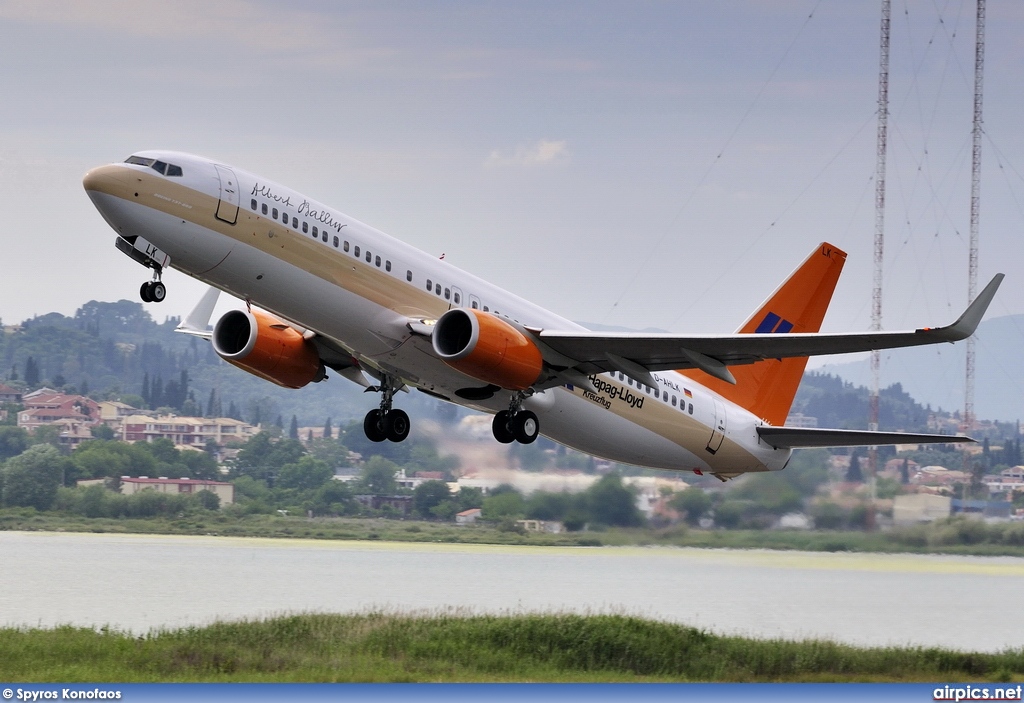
{"type": "Point", "coordinates": [797, 437]}
{"type": "Point", "coordinates": [636, 354]}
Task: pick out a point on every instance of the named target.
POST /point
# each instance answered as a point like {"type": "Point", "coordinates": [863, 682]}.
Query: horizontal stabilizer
{"type": "Point", "coordinates": [797, 437]}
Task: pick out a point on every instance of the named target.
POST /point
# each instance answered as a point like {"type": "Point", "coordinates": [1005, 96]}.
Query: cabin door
{"type": "Point", "coordinates": [717, 427]}
{"type": "Point", "coordinates": [227, 206]}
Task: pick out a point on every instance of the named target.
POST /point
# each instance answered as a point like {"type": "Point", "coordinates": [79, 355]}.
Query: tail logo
{"type": "Point", "coordinates": [773, 324]}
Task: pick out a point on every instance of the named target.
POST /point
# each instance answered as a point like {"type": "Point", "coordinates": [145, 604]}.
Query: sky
{"type": "Point", "coordinates": [643, 164]}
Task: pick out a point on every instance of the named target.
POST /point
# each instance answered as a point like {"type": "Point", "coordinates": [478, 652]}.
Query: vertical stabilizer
{"type": "Point", "coordinates": [768, 387]}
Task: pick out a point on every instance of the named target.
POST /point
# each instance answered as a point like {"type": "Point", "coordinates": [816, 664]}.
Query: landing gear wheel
{"type": "Point", "coordinates": [144, 293]}
{"type": "Point", "coordinates": [525, 427]}
{"type": "Point", "coordinates": [396, 425]}
{"type": "Point", "coordinates": [373, 426]}
{"type": "Point", "coordinates": [499, 426]}
{"type": "Point", "coordinates": [157, 291]}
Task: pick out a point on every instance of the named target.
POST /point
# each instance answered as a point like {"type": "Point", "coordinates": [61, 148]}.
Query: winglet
{"type": "Point", "coordinates": [965, 326]}
{"type": "Point", "coordinates": [198, 320]}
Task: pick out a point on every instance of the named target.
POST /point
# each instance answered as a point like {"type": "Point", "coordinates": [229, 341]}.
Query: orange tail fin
{"type": "Point", "coordinates": [768, 387]}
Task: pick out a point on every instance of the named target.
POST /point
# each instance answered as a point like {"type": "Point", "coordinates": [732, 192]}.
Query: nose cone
{"type": "Point", "coordinates": [111, 179]}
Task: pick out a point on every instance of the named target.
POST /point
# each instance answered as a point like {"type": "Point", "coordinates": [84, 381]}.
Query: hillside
{"type": "Point", "coordinates": [113, 350]}
{"type": "Point", "coordinates": [935, 375]}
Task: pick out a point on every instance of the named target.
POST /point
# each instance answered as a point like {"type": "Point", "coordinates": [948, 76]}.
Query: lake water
{"type": "Point", "coordinates": [140, 582]}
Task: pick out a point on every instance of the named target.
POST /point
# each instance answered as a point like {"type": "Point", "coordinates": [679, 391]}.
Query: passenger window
{"type": "Point", "coordinates": [324, 235]}
{"type": "Point", "coordinates": [252, 204]}
{"type": "Point", "coordinates": [673, 401]}
{"type": "Point", "coordinates": [284, 217]}
{"type": "Point", "coordinates": [447, 294]}
{"type": "Point", "coordinates": [473, 305]}
{"type": "Point", "coordinates": [305, 227]}
{"type": "Point", "coordinates": [273, 213]}
{"type": "Point", "coordinates": [457, 301]}
{"type": "Point", "coordinates": [356, 252]}
{"type": "Point", "coordinates": [295, 223]}
{"type": "Point", "coordinates": [376, 262]}
{"type": "Point", "coordinates": [345, 246]}
{"type": "Point", "coordinates": [437, 289]}
{"type": "Point", "coordinates": [408, 276]}
{"type": "Point", "coordinates": [629, 380]}
{"type": "Point", "coordinates": [336, 240]}
{"type": "Point", "coordinates": [387, 265]}
{"type": "Point", "coordinates": [485, 309]}
{"type": "Point", "coordinates": [657, 394]}
{"type": "Point", "coordinates": [264, 208]}
{"type": "Point", "coordinates": [429, 285]}
{"type": "Point", "coordinates": [368, 256]}
{"type": "Point", "coordinates": [691, 408]}
{"type": "Point", "coordinates": [316, 232]}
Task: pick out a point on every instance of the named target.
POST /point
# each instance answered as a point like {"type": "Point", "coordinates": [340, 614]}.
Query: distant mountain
{"type": "Point", "coordinates": [934, 375]}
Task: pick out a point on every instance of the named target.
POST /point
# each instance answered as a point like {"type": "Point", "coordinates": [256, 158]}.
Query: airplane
{"type": "Point", "coordinates": [324, 291]}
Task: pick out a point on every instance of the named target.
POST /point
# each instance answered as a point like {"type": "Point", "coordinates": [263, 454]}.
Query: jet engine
{"type": "Point", "coordinates": [487, 348]}
{"type": "Point", "coordinates": [267, 347]}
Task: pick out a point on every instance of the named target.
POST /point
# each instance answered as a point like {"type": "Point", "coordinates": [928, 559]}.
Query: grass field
{"type": "Point", "coordinates": [383, 647]}
{"type": "Point", "coordinates": [917, 540]}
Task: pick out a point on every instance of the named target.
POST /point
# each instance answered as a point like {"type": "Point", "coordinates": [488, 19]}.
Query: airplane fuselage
{"type": "Point", "coordinates": [326, 272]}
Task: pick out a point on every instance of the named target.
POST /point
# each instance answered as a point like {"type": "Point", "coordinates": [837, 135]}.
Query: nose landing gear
{"type": "Point", "coordinates": [153, 291]}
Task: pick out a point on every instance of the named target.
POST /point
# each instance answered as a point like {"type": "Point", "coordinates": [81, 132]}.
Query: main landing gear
{"type": "Point", "coordinates": [385, 422]}
{"type": "Point", "coordinates": [516, 424]}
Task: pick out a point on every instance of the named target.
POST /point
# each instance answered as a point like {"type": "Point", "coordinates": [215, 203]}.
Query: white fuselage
{"type": "Point", "coordinates": [360, 288]}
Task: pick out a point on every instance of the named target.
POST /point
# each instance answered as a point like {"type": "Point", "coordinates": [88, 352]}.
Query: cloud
{"type": "Point", "coordinates": [545, 151]}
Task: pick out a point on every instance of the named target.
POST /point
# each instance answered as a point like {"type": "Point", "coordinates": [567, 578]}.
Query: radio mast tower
{"type": "Point", "coordinates": [972, 256]}
{"type": "Point", "coordinates": [876, 299]}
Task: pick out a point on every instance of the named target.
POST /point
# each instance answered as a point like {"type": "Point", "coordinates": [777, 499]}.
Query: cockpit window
{"type": "Point", "coordinates": [161, 167]}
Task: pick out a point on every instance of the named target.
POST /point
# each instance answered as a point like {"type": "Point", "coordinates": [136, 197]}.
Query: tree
{"type": "Point", "coordinates": [263, 456]}
{"type": "Point", "coordinates": [31, 372]}
{"type": "Point", "coordinates": [428, 495]}
{"type": "Point", "coordinates": [328, 430]}
{"type": "Point", "coordinates": [693, 503]}
{"type": "Point", "coordinates": [469, 497]}
{"type": "Point", "coordinates": [13, 441]}
{"type": "Point", "coordinates": [612, 503]}
{"type": "Point", "coordinates": [378, 477]}
{"type": "Point", "coordinates": [333, 498]}
{"type": "Point", "coordinates": [305, 474]}
{"type": "Point", "coordinates": [507, 504]}
{"type": "Point", "coordinates": [102, 431]}
{"type": "Point", "coordinates": [293, 429]}
{"type": "Point", "coordinates": [32, 478]}
{"type": "Point", "coordinates": [854, 474]}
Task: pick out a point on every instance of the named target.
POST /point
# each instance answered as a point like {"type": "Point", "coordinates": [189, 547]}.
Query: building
{"type": "Point", "coordinates": [468, 517]}
{"type": "Point", "coordinates": [553, 527]}
{"type": "Point", "coordinates": [920, 507]}
{"type": "Point", "coordinates": [9, 395]}
{"type": "Point", "coordinates": [57, 408]}
{"type": "Point", "coordinates": [192, 432]}
{"type": "Point", "coordinates": [224, 491]}
{"type": "Point", "coordinates": [398, 504]}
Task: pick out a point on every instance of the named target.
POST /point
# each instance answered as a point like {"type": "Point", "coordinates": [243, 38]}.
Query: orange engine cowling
{"type": "Point", "coordinates": [267, 347]}
{"type": "Point", "coordinates": [487, 348]}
